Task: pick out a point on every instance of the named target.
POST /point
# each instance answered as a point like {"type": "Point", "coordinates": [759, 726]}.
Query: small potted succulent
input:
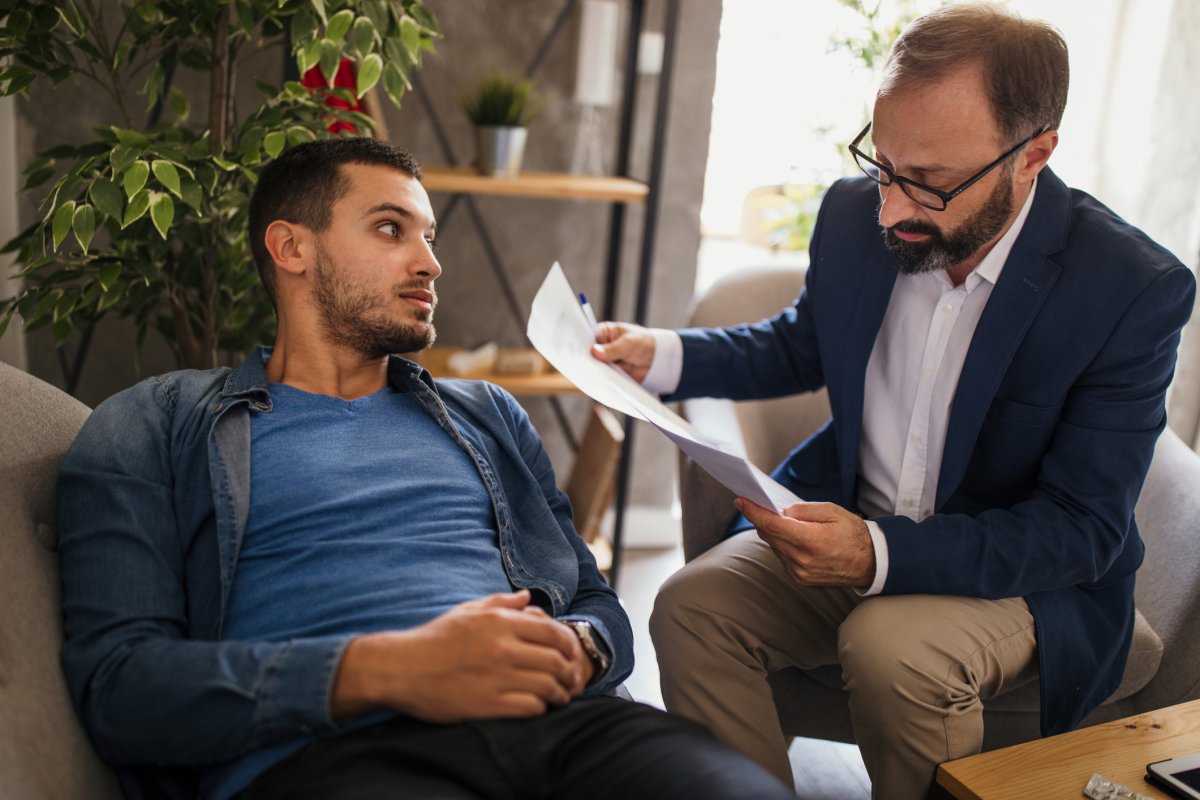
{"type": "Point", "coordinates": [501, 108]}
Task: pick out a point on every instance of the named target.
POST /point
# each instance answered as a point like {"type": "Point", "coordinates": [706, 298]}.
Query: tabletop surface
{"type": "Point", "coordinates": [1060, 766]}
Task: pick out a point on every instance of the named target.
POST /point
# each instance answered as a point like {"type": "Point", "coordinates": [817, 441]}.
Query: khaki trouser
{"type": "Point", "coordinates": [917, 668]}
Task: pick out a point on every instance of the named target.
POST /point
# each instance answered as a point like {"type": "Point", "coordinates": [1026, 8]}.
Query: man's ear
{"type": "Point", "coordinates": [1036, 154]}
{"type": "Point", "coordinates": [289, 245]}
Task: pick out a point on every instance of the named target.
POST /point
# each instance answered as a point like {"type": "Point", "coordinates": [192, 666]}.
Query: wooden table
{"type": "Point", "coordinates": [1060, 766]}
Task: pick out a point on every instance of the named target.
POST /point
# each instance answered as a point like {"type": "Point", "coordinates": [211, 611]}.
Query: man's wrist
{"type": "Point", "coordinates": [593, 647]}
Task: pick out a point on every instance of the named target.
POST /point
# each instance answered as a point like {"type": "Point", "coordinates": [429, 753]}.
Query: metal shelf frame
{"type": "Point", "coordinates": [619, 190]}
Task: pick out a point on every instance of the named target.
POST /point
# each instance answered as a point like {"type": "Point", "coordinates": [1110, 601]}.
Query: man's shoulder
{"type": "Point", "coordinates": [1097, 232]}
{"type": "Point", "coordinates": [170, 389]}
{"type": "Point", "coordinates": [479, 397]}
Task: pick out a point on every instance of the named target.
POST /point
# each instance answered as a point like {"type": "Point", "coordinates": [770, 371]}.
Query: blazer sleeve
{"type": "Point", "coordinates": [1072, 528]}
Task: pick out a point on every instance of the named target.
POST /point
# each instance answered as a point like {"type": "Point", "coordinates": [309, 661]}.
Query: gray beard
{"type": "Point", "coordinates": [942, 251]}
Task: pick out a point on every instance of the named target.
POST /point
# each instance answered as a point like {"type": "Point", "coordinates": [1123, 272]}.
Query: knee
{"type": "Point", "coordinates": [674, 602]}
{"type": "Point", "coordinates": [689, 603]}
{"type": "Point", "coordinates": [883, 650]}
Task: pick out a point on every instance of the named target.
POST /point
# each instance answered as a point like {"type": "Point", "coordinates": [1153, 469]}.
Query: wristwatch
{"type": "Point", "coordinates": [592, 647]}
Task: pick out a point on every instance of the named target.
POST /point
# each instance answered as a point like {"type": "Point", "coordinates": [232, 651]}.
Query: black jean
{"type": "Point", "coordinates": [599, 748]}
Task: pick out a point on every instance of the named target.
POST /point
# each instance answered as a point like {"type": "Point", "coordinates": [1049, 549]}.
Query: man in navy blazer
{"type": "Point", "coordinates": [997, 364]}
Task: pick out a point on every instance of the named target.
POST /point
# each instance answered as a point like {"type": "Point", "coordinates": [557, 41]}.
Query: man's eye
{"type": "Point", "coordinates": [431, 242]}
{"type": "Point", "coordinates": [390, 228]}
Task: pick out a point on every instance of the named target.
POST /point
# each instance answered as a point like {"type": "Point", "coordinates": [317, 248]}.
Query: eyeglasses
{"type": "Point", "coordinates": [931, 198]}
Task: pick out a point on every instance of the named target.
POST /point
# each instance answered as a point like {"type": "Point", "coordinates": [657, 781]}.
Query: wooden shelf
{"type": "Point", "coordinates": [543, 384]}
{"type": "Point", "coordinates": [553, 185]}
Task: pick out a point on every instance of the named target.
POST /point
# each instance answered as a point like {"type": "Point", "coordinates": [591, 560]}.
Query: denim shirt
{"type": "Point", "coordinates": [153, 498]}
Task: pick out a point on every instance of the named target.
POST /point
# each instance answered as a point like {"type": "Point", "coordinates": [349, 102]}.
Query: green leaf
{"type": "Point", "coordinates": [162, 212]}
{"type": "Point", "coordinates": [307, 58]}
{"type": "Point", "coordinates": [45, 305]}
{"type": "Point", "coordinates": [139, 204]}
{"type": "Point", "coordinates": [18, 78]}
{"type": "Point", "coordinates": [319, 7]}
{"type": "Point", "coordinates": [377, 12]}
{"type": "Point", "coordinates": [424, 17]}
{"type": "Point", "coordinates": [62, 332]}
{"type": "Point", "coordinates": [331, 56]}
{"type": "Point", "coordinates": [394, 82]}
{"type": "Point", "coordinates": [111, 298]}
{"type": "Point", "coordinates": [83, 222]}
{"type": "Point", "coordinates": [363, 36]}
{"type": "Point", "coordinates": [122, 156]}
{"type": "Point", "coordinates": [109, 272]}
{"type": "Point", "coordinates": [369, 71]}
{"type": "Point", "coordinates": [191, 194]}
{"type": "Point", "coordinates": [298, 134]}
{"type": "Point", "coordinates": [179, 103]}
{"type": "Point", "coordinates": [107, 197]}
{"type": "Point", "coordinates": [303, 27]}
{"type": "Point", "coordinates": [122, 52]}
{"type": "Point", "coordinates": [37, 178]}
{"type": "Point", "coordinates": [65, 305]}
{"type": "Point", "coordinates": [7, 319]}
{"type": "Point", "coordinates": [410, 34]}
{"type": "Point", "coordinates": [273, 143]}
{"type": "Point", "coordinates": [74, 20]}
{"type": "Point", "coordinates": [130, 137]}
{"type": "Point", "coordinates": [135, 177]}
{"type": "Point", "coordinates": [167, 175]}
{"type": "Point", "coordinates": [339, 25]}
{"type": "Point", "coordinates": [61, 225]}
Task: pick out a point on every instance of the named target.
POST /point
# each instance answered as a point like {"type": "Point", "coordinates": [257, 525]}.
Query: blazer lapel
{"type": "Point", "coordinates": [1026, 281]}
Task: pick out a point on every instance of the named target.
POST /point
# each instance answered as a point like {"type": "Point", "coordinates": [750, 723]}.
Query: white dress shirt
{"type": "Point", "coordinates": [911, 379]}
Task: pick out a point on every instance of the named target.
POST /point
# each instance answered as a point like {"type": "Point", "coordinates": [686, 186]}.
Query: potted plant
{"type": "Point", "coordinates": [501, 108]}
{"type": "Point", "coordinates": [148, 219]}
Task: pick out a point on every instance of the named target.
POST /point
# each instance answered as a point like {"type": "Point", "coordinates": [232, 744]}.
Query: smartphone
{"type": "Point", "coordinates": [1180, 776]}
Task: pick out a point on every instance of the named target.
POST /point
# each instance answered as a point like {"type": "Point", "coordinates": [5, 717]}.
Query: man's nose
{"type": "Point", "coordinates": [427, 266]}
{"type": "Point", "coordinates": [895, 206]}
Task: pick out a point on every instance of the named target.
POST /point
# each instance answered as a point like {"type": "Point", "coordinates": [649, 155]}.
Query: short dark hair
{"type": "Point", "coordinates": [1024, 63]}
{"type": "Point", "coordinates": [302, 185]}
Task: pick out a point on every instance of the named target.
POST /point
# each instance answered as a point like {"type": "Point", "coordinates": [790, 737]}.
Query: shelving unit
{"type": "Point", "coordinates": [546, 185]}
{"type": "Point", "coordinates": [621, 189]}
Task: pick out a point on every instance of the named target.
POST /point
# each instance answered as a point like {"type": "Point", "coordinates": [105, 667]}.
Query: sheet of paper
{"type": "Point", "coordinates": [561, 332]}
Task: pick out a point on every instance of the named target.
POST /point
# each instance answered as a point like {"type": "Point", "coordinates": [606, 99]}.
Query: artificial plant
{"type": "Point", "coordinates": [147, 220]}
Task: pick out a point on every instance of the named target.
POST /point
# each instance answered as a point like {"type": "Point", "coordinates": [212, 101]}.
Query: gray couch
{"type": "Point", "coordinates": [44, 754]}
{"type": "Point", "coordinates": [1164, 663]}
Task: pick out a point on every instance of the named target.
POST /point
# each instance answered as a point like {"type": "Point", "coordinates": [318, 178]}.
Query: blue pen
{"type": "Point", "coordinates": [587, 312]}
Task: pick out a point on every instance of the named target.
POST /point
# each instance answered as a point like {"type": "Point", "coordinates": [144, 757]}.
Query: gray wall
{"type": "Point", "coordinates": [529, 234]}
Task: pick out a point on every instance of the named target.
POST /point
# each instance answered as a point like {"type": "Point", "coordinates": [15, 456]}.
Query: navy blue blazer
{"type": "Point", "coordinates": [1061, 398]}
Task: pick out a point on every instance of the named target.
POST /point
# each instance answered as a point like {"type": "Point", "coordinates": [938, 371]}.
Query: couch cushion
{"type": "Point", "coordinates": [44, 753]}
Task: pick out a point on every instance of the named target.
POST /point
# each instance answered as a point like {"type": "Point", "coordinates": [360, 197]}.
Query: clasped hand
{"type": "Point", "coordinates": [497, 656]}
{"type": "Point", "coordinates": [820, 544]}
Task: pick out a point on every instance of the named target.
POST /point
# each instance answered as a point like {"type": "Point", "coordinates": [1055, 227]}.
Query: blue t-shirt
{"type": "Point", "coordinates": [365, 515]}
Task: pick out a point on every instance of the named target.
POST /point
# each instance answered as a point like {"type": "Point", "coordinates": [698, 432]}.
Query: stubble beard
{"type": "Point", "coordinates": [941, 251]}
{"type": "Point", "coordinates": [354, 317]}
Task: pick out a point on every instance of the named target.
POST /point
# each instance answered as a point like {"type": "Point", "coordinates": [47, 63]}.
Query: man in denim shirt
{"type": "Point", "coordinates": [324, 574]}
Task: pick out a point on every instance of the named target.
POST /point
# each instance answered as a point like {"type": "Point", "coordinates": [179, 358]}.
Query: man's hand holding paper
{"type": "Point", "coordinates": [560, 331]}
{"type": "Point", "coordinates": [820, 544]}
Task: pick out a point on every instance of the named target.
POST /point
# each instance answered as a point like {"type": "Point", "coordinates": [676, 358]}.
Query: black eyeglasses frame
{"type": "Point", "coordinates": [944, 196]}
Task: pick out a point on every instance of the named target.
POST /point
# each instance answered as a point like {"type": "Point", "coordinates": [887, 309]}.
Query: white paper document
{"type": "Point", "coordinates": [561, 332]}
